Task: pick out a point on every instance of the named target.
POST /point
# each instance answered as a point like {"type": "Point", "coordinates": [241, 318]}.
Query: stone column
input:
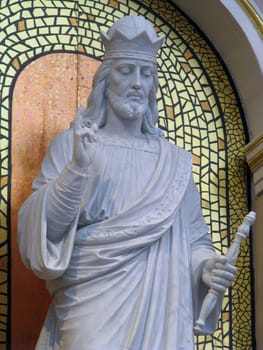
{"type": "Point", "coordinates": [254, 153]}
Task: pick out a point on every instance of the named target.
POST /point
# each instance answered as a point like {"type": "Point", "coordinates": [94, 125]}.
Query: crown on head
{"type": "Point", "coordinates": [131, 37]}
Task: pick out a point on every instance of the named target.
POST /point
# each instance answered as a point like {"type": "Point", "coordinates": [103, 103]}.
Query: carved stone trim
{"type": "Point", "coordinates": [253, 14]}
{"type": "Point", "coordinates": [254, 154]}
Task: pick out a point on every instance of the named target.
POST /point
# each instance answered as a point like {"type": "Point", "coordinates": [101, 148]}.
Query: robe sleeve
{"type": "Point", "coordinates": [48, 258]}
{"type": "Point", "coordinates": [201, 250]}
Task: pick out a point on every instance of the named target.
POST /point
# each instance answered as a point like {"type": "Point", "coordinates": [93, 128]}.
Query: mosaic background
{"type": "Point", "coordinates": [49, 52]}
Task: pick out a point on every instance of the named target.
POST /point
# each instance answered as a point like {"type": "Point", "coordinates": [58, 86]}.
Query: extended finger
{"type": "Point", "coordinates": [94, 126]}
{"type": "Point", "coordinates": [79, 118]}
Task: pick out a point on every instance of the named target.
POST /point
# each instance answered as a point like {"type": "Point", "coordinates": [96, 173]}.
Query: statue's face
{"type": "Point", "coordinates": [129, 84]}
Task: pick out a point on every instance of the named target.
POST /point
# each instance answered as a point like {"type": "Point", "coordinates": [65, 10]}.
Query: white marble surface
{"type": "Point", "coordinates": [114, 222]}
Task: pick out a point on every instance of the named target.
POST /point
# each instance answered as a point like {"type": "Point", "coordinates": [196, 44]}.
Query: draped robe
{"type": "Point", "coordinates": [126, 274]}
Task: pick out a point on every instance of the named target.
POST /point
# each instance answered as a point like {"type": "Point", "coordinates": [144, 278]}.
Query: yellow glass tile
{"type": "Point", "coordinates": [196, 160]}
{"type": "Point", "coordinates": [205, 106]}
{"type": "Point", "coordinates": [15, 63]}
{"type": "Point", "coordinates": [205, 204]}
{"type": "Point", "coordinates": [188, 54]}
{"type": "Point", "coordinates": [221, 144]}
{"type": "Point", "coordinates": [21, 25]}
{"type": "Point", "coordinates": [186, 67]}
{"type": "Point", "coordinates": [114, 4]}
{"type": "Point", "coordinates": [81, 48]}
{"type": "Point", "coordinates": [3, 179]}
{"type": "Point", "coordinates": [73, 21]}
{"type": "Point", "coordinates": [169, 112]}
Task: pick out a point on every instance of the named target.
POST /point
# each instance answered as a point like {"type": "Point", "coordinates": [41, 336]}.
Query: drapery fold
{"type": "Point", "coordinates": [121, 278]}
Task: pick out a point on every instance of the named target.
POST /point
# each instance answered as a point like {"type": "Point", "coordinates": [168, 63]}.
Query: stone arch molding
{"type": "Point", "coordinates": [236, 30]}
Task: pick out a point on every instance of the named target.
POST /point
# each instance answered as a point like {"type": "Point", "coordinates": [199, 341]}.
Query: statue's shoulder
{"type": "Point", "coordinates": [177, 150]}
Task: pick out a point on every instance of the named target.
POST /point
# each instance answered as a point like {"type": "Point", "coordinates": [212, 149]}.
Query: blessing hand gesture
{"type": "Point", "coordinates": [84, 141]}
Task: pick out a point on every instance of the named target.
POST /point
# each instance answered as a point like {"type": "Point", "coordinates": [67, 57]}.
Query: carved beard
{"type": "Point", "coordinates": [125, 108]}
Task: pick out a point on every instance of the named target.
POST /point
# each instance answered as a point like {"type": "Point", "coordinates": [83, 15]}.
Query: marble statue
{"type": "Point", "coordinates": [114, 223]}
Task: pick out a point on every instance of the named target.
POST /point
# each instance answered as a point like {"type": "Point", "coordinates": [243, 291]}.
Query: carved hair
{"type": "Point", "coordinates": [96, 111]}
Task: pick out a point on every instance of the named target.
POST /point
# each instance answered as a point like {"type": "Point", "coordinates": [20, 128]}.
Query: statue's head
{"type": "Point", "coordinates": [130, 43]}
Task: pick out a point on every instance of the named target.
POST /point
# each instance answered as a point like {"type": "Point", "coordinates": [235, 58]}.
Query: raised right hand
{"type": "Point", "coordinates": [84, 142]}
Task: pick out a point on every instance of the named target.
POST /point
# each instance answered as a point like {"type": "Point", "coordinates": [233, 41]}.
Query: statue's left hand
{"type": "Point", "coordinates": [218, 273]}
